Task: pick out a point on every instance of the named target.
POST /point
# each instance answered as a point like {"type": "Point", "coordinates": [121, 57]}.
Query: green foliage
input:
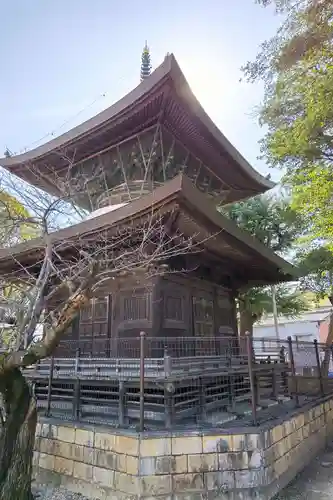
{"type": "Point", "coordinates": [16, 224]}
{"type": "Point", "coordinates": [289, 302]}
{"type": "Point", "coordinates": [145, 63]}
{"type": "Point", "coordinates": [316, 268]}
{"type": "Point", "coordinates": [296, 66]}
{"type": "Point", "coordinates": [272, 221]}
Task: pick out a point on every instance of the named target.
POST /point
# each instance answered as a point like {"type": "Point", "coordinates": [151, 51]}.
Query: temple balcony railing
{"type": "Point", "coordinates": [164, 358]}
{"type": "Point", "coordinates": [126, 192]}
{"type": "Point", "coordinates": [181, 382]}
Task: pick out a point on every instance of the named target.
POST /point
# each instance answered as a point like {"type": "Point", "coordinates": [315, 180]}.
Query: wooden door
{"type": "Point", "coordinates": [203, 323]}
{"type": "Point", "coordinates": [93, 327]}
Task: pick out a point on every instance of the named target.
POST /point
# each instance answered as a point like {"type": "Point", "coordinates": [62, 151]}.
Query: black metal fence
{"type": "Point", "coordinates": [164, 383]}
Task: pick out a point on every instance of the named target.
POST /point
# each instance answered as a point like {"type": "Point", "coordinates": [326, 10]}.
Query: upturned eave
{"type": "Point", "coordinates": [225, 241]}
{"type": "Point", "coordinates": [168, 87]}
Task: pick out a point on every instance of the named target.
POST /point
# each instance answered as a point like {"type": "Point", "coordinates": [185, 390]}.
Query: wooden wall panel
{"type": "Point", "coordinates": [132, 313]}
{"type": "Point", "coordinates": [190, 306]}
{"type": "Point", "coordinates": [225, 314]}
{"type": "Point", "coordinates": [171, 306]}
{"type": "Point", "coordinates": [170, 309]}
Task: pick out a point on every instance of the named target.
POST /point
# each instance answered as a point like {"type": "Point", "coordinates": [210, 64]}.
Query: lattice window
{"type": "Point", "coordinates": [100, 309]}
{"type": "Point", "coordinates": [86, 312]}
{"type": "Point", "coordinates": [136, 308]}
{"type": "Point", "coordinates": [173, 308]}
{"type": "Point", "coordinates": [94, 319]}
{"type": "Point", "coordinates": [225, 312]}
{"type": "Point", "coordinates": [203, 315]}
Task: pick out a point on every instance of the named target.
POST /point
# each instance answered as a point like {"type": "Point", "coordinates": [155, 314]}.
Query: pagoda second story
{"type": "Point", "coordinates": [148, 137]}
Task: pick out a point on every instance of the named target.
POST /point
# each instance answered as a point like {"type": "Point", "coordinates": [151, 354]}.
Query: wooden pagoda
{"type": "Point", "coordinates": [157, 149]}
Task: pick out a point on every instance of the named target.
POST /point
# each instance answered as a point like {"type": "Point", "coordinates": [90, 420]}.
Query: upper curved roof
{"type": "Point", "coordinates": [168, 80]}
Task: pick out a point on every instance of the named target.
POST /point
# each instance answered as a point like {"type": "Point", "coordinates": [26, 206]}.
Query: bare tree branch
{"type": "Point", "coordinates": [74, 269]}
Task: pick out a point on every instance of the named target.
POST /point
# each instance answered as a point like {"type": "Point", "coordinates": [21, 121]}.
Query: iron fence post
{"type": "Point", "coordinates": [320, 375]}
{"type": "Point", "coordinates": [142, 381]}
{"type": "Point", "coordinates": [293, 371]}
{"type": "Point", "coordinates": [122, 404]}
{"type": "Point", "coordinates": [168, 390]}
{"type": "Point", "coordinates": [49, 388]}
{"type": "Point", "coordinates": [284, 374]}
{"type": "Point", "coordinates": [253, 388]}
{"type": "Point", "coordinates": [77, 388]}
{"type": "Point", "coordinates": [275, 389]}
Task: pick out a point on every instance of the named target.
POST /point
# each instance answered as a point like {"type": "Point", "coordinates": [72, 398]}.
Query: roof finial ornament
{"type": "Point", "coordinates": [7, 153]}
{"type": "Point", "coordinates": [145, 63]}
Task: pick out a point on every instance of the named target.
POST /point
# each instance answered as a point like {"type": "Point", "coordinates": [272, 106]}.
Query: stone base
{"type": "Point", "coordinates": [240, 464]}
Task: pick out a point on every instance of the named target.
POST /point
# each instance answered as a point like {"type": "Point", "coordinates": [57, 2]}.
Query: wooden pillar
{"type": "Point", "coordinates": [157, 307]}
{"type": "Point", "coordinates": [109, 324]}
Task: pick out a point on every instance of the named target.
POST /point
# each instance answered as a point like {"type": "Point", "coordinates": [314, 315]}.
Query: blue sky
{"type": "Point", "coordinates": [59, 57]}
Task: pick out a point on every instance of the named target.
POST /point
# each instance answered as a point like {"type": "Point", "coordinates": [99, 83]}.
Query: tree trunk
{"type": "Point", "coordinates": [17, 437]}
{"type": "Point", "coordinates": [246, 321]}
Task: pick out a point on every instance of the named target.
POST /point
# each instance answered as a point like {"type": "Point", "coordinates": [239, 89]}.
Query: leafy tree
{"type": "Point", "coordinates": [269, 218]}
{"type": "Point", "coordinates": [257, 302]}
{"type": "Point", "coordinates": [297, 111]}
{"type": "Point", "coordinates": [16, 223]}
{"type": "Point", "coordinates": [272, 221]}
{"type": "Point", "coordinates": [316, 270]}
{"type": "Point", "coordinates": [315, 266]}
{"type": "Point", "coordinates": [145, 63]}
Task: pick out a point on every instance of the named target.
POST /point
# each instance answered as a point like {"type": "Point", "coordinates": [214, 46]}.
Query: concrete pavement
{"type": "Point", "coordinates": [315, 482]}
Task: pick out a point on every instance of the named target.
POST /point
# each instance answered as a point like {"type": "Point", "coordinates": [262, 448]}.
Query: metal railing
{"type": "Point", "coordinates": [168, 382]}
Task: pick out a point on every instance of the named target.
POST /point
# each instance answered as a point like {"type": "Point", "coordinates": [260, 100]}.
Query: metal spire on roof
{"type": "Point", "coordinates": [145, 62]}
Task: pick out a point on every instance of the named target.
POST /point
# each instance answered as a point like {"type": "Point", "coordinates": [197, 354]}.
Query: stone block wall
{"type": "Point", "coordinates": [105, 464]}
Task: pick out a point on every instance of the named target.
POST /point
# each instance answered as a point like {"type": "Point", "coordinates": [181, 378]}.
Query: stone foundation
{"type": "Point", "coordinates": [242, 464]}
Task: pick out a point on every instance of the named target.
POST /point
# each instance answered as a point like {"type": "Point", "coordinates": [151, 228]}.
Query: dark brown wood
{"type": "Point", "coordinates": [165, 98]}
{"type": "Point", "coordinates": [222, 242]}
{"type": "Point", "coordinates": [169, 306]}
{"type": "Point", "coordinates": [293, 370]}
{"type": "Point", "coordinates": [194, 301]}
{"type": "Point", "coordinates": [142, 381]}
{"type": "Point", "coordinates": [109, 323]}
{"type": "Point", "coordinates": [122, 404]}
{"type": "Point", "coordinates": [157, 305]}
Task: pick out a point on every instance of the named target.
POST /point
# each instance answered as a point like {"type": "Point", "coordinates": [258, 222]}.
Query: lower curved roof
{"type": "Point", "coordinates": [248, 260]}
{"type": "Point", "coordinates": [165, 97]}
